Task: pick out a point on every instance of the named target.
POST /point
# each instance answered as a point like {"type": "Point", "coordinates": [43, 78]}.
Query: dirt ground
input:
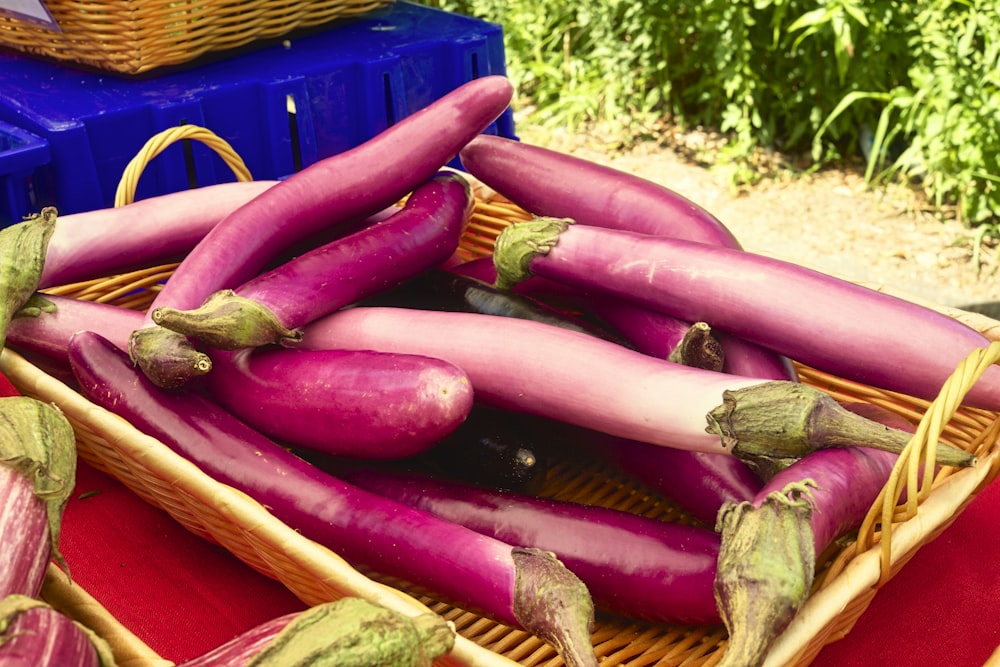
{"type": "Point", "coordinates": [828, 221]}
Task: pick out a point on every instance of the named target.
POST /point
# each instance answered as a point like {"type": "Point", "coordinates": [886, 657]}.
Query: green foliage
{"type": "Point", "coordinates": [950, 112]}
{"type": "Point", "coordinates": [917, 83]}
{"type": "Point", "coordinates": [579, 63]}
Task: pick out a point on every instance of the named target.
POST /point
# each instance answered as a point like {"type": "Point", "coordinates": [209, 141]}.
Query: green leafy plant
{"type": "Point", "coordinates": [944, 120]}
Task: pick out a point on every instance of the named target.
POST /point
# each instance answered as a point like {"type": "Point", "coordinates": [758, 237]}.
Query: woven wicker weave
{"type": "Point", "coordinates": [135, 36]}
{"type": "Point", "coordinates": [846, 584]}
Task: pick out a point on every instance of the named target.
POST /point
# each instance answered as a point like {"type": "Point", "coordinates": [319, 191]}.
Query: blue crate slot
{"type": "Point", "coordinates": [281, 107]}
{"type": "Point", "coordinates": [21, 154]}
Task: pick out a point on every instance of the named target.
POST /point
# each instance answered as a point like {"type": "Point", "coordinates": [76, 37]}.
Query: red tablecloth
{"type": "Point", "coordinates": [177, 592]}
{"type": "Point", "coordinates": [183, 596]}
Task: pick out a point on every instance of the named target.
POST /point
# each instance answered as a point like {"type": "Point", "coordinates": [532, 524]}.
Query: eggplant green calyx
{"type": "Point", "coordinates": [38, 441]}
{"type": "Point", "coordinates": [23, 247]}
{"type": "Point", "coordinates": [166, 357]}
{"type": "Point", "coordinates": [520, 243]}
{"type": "Point", "coordinates": [788, 420]}
{"type": "Point", "coordinates": [554, 604]}
{"type": "Point", "coordinates": [699, 348]}
{"type": "Point", "coordinates": [765, 570]}
{"type": "Point", "coordinates": [228, 321]}
{"type": "Point", "coordinates": [353, 632]}
{"type": "Point", "coordinates": [14, 606]}
{"type": "Point", "coordinates": [35, 306]}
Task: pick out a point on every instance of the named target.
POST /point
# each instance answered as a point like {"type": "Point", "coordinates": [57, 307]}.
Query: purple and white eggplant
{"type": "Point", "coordinates": [33, 633]}
{"type": "Point", "coordinates": [37, 475]}
{"type": "Point", "coordinates": [565, 375]}
{"type": "Point", "coordinates": [820, 320]}
{"type": "Point", "coordinates": [650, 331]}
{"type": "Point", "coordinates": [103, 242]}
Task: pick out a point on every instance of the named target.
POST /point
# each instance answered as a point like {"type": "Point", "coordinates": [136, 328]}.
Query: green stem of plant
{"type": "Point", "coordinates": [227, 321]}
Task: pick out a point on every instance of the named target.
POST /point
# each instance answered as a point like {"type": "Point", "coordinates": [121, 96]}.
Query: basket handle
{"type": "Point", "coordinates": [160, 141]}
{"type": "Point", "coordinates": [918, 457]}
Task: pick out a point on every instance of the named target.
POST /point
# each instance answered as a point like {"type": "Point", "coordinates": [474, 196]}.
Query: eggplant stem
{"type": "Point", "coordinates": [353, 632]}
{"type": "Point", "coordinates": [553, 604]}
{"type": "Point", "coordinates": [765, 570]}
{"type": "Point", "coordinates": [166, 357]}
{"type": "Point", "coordinates": [699, 348]}
{"type": "Point", "coordinates": [520, 243]}
{"type": "Point", "coordinates": [228, 321]}
{"type": "Point", "coordinates": [23, 247]}
{"type": "Point", "coordinates": [782, 420]}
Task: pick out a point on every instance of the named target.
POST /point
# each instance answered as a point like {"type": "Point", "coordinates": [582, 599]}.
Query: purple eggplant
{"type": "Point", "coordinates": [336, 190]}
{"type": "Point", "coordinates": [514, 585]}
{"type": "Point", "coordinates": [546, 182]}
{"type": "Point", "coordinates": [353, 403]}
{"type": "Point", "coordinates": [108, 241]}
{"type": "Point", "coordinates": [347, 403]}
{"type": "Point", "coordinates": [825, 322]}
{"type": "Point", "coordinates": [648, 330]}
{"type": "Point", "coordinates": [271, 308]}
{"type": "Point", "coordinates": [634, 566]}
{"type": "Point", "coordinates": [46, 329]}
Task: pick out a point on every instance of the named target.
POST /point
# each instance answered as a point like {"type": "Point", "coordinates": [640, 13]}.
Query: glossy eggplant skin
{"type": "Point", "coordinates": [544, 181]}
{"type": "Point", "coordinates": [336, 190]}
{"type": "Point", "coordinates": [356, 403]}
{"type": "Point", "coordinates": [270, 307]}
{"type": "Point", "coordinates": [633, 565]}
{"type": "Point", "coordinates": [825, 322]}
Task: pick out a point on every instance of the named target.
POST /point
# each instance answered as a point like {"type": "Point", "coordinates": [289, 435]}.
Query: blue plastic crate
{"type": "Point", "coordinates": [280, 107]}
{"type": "Point", "coordinates": [21, 154]}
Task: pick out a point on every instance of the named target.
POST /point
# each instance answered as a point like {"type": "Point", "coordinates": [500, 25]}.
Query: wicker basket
{"type": "Point", "coordinates": [848, 580]}
{"type": "Point", "coordinates": [136, 36]}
